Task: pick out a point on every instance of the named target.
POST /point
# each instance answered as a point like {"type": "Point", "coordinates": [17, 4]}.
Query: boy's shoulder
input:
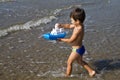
{"type": "Point", "coordinates": [79, 26]}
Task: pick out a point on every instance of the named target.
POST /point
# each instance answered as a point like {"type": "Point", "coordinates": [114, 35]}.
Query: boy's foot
{"type": "Point", "coordinates": [92, 74]}
{"type": "Point", "coordinates": [67, 75]}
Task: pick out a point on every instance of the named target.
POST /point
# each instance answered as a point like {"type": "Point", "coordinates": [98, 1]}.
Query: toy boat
{"type": "Point", "coordinates": [49, 36]}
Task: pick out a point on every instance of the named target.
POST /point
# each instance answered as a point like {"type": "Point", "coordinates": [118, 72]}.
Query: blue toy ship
{"type": "Point", "coordinates": [49, 36]}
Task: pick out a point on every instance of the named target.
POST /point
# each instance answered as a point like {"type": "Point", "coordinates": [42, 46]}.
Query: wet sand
{"type": "Point", "coordinates": [24, 56]}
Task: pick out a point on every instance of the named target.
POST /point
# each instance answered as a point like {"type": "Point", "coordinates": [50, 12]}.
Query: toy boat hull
{"type": "Point", "coordinates": [49, 36]}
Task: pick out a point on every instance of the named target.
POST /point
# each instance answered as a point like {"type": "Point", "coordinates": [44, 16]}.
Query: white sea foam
{"type": "Point", "coordinates": [6, 0]}
{"type": "Point", "coordinates": [57, 11]}
{"type": "Point", "coordinates": [27, 25]}
{"type": "Point", "coordinates": [57, 73]}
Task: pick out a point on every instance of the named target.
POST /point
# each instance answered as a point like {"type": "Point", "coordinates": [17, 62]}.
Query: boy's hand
{"type": "Point", "coordinates": [58, 25]}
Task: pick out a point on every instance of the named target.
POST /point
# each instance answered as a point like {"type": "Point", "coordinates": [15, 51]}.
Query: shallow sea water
{"type": "Point", "coordinates": [24, 55]}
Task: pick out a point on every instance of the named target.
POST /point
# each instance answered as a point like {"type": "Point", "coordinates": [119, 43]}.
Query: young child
{"type": "Point", "coordinates": [77, 18]}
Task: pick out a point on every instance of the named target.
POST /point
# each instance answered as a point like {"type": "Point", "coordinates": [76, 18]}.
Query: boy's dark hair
{"type": "Point", "coordinates": [78, 14]}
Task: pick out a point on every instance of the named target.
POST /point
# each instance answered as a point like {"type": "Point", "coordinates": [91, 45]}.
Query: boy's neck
{"type": "Point", "coordinates": [78, 23]}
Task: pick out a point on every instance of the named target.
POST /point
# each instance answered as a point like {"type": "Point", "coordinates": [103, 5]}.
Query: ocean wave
{"type": "Point", "coordinates": [6, 0]}
{"type": "Point", "coordinates": [27, 25]}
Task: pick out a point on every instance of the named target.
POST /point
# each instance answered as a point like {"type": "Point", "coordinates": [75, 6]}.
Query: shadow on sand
{"type": "Point", "coordinates": [107, 65]}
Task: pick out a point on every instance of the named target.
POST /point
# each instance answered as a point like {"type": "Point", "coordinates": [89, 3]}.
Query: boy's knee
{"type": "Point", "coordinates": [81, 62]}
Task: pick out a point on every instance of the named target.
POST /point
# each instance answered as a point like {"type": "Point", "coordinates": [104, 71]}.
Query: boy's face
{"type": "Point", "coordinates": [72, 21]}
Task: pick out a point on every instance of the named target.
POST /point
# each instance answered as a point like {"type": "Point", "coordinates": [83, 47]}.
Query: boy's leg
{"type": "Point", "coordinates": [73, 56]}
{"type": "Point", "coordinates": [86, 66]}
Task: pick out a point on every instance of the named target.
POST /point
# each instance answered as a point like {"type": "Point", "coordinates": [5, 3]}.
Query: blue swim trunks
{"type": "Point", "coordinates": [80, 50]}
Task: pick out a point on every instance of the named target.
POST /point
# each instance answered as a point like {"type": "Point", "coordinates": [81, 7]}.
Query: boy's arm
{"type": "Point", "coordinates": [72, 38]}
{"type": "Point", "coordinates": [65, 25]}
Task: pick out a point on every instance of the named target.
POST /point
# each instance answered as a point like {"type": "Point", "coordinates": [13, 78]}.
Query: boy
{"type": "Point", "coordinates": [77, 18]}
